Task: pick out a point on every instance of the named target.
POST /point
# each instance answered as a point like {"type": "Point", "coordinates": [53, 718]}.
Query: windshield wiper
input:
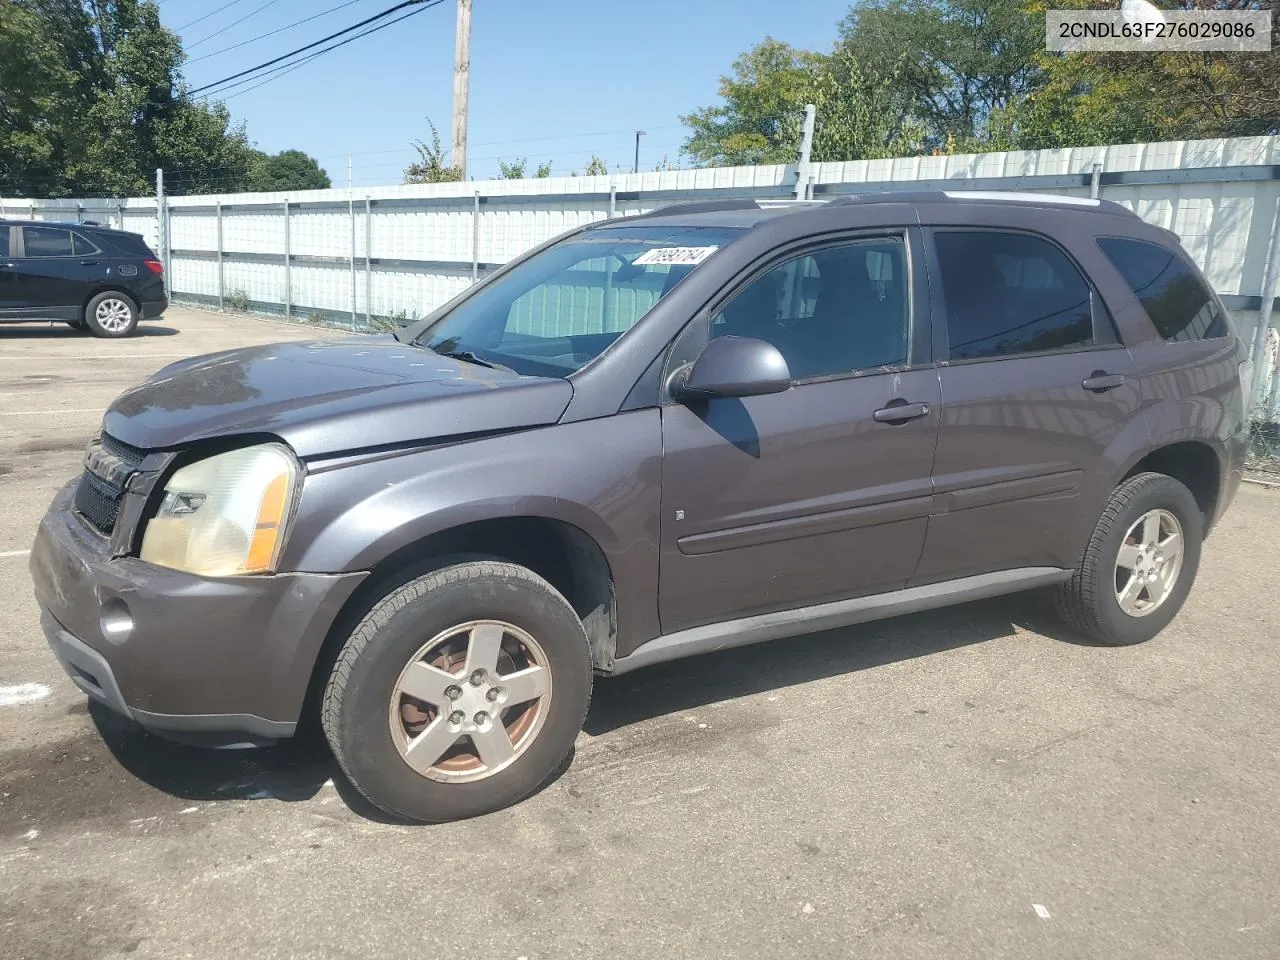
{"type": "Point", "coordinates": [468, 357]}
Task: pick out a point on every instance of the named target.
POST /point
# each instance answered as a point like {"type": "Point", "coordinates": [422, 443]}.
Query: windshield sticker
{"type": "Point", "coordinates": [674, 256]}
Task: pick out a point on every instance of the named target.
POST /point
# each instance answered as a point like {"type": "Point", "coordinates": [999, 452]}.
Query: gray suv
{"type": "Point", "coordinates": [653, 437]}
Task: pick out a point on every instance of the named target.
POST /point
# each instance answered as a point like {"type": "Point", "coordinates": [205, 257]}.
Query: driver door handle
{"type": "Point", "coordinates": [1100, 381]}
{"type": "Point", "coordinates": [900, 412]}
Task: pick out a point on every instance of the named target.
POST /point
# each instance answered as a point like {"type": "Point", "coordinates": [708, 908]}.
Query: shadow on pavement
{"type": "Point", "coordinates": [299, 769]}
{"type": "Point", "coordinates": [699, 681]}
{"type": "Point", "coordinates": [60, 331]}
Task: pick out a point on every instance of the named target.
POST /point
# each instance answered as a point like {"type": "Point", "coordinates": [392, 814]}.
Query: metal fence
{"type": "Point", "coordinates": [368, 258]}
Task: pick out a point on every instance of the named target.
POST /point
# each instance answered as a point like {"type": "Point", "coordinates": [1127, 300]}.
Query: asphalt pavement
{"type": "Point", "coordinates": [969, 783]}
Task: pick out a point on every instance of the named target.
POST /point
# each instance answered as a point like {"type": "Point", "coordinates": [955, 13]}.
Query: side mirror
{"type": "Point", "coordinates": [732, 367]}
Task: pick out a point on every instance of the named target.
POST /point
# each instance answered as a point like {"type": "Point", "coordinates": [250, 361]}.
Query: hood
{"type": "Point", "coordinates": [329, 396]}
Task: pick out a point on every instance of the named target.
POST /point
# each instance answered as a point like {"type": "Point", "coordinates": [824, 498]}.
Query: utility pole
{"type": "Point", "coordinates": [636, 168]}
{"type": "Point", "coordinates": [461, 85]}
{"type": "Point", "coordinates": [348, 171]}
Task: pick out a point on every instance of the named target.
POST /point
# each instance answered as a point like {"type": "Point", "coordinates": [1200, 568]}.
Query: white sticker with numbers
{"type": "Point", "coordinates": [674, 256]}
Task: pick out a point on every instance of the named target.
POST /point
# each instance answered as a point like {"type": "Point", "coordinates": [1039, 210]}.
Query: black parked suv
{"type": "Point", "coordinates": [88, 276]}
{"type": "Point", "coordinates": [650, 438]}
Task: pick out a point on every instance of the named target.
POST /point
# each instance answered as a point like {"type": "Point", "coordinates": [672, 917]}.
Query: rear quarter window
{"type": "Point", "coordinates": [1180, 306]}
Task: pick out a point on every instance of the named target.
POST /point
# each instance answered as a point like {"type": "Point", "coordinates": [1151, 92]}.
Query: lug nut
{"type": "Point", "coordinates": [481, 718]}
{"type": "Point", "coordinates": [457, 717]}
{"type": "Point", "coordinates": [477, 678]}
{"type": "Point", "coordinates": [494, 693]}
{"type": "Point", "coordinates": [453, 692]}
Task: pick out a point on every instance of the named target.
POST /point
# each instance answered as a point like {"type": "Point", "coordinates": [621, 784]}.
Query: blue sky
{"type": "Point", "coordinates": [550, 79]}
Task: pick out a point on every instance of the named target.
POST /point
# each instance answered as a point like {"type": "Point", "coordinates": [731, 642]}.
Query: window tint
{"type": "Point", "coordinates": [46, 242]}
{"type": "Point", "coordinates": [1009, 293]}
{"type": "Point", "coordinates": [4, 240]}
{"type": "Point", "coordinates": [1173, 296]}
{"type": "Point", "coordinates": [81, 246]}
{"type": "Point", "coordinates": [835, 311]}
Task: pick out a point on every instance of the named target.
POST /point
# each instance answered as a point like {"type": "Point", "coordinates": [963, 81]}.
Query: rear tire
{"type": "Point", "coordinates": [451, 749]}
{"type": "Point", "coordinates": [1121, 600]}
{"type": "Point", "coordinates": [112, 315]}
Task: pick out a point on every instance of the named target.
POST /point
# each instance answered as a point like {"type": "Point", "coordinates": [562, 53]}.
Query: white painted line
{"type": "Point", "coordinates": [189, 810]}
{"type": "Point", "coordinates": [30, 835]}
{"type": "Point", "coordinates": [18, 694]}
{"type": "Point", "coordinates": [13, 553]}
{"type": "Point", "coordinates": [48, 413]}
{"type": "Point", "coordinates": [1041, 910]}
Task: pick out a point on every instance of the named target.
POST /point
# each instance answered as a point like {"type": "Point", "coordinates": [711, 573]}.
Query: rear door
{"type": "Point", "coordinates": [57, 268]}
{"type": "Point", "coordinates": [1036, 388]}
{"type": "Point", "coordinates": [820, 493]}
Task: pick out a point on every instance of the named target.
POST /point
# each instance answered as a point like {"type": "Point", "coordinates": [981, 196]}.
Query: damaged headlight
{"type": "Point", "coordinates": [224, 516]}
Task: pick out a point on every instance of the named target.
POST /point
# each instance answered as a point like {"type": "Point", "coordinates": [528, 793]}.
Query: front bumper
{"type": "Point", "coordinates": [221, 661]}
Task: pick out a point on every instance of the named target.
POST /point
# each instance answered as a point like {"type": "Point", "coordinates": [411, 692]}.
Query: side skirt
{"type": "Point", "coordinates": [840, 613]}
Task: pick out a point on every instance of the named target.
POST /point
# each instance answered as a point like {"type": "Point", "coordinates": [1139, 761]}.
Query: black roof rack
{"type": "Point", "coordinates": [700, 206]}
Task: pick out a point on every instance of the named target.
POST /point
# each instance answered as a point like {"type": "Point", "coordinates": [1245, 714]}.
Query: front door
{"type": "Point", "coordinates": [823, 492]}
{"type": "Point", "coordinates": [1036, 389]}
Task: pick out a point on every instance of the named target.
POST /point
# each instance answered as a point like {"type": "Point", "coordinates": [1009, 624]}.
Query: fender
{"type": "Point", "coordinates": [603, 478]}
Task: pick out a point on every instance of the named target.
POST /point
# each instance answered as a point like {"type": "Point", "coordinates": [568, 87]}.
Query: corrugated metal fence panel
{"type": "Point", "coordinates": [422, 238]}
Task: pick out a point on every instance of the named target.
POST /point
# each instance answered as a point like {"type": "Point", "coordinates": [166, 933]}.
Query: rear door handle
{"type": "Point", "coordinates": [898, 412]}
{"type": "Point", "coordinates": [1100, 381]}
{"type": "Point", "coordinates": [89, 263]}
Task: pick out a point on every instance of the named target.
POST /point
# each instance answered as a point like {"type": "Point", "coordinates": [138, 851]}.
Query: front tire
{"type": "Point", "coordinates": [1139, 564]}
{"type": "Point", "coordinates": [459, 693]}
{"type": "Point", "coordinates": [112, 315]}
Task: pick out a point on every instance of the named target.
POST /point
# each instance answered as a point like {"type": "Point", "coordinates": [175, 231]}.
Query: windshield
{"type": "Point", "coordinates": [562, 308]}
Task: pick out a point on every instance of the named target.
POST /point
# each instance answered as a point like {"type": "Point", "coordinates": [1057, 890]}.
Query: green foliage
{"type": "Point", "coordinates": [287, 170]}
{"type": "Point", "coordinates": [543, 171]}
{"type": "Point", "coordinates": [762, 111]}
{"type": "Point", "coordinates": [236, 300]}
{"type": "Point", "coordinates": [430, 166]}
{"type": "Point", "coordinates": [92, 101]}
{"type": "Point", "coordinates": [918, 76]}
{"type": "Point", "coordinates": [513, 170]}
{"type": "Point", "coordinates": [595, 168]}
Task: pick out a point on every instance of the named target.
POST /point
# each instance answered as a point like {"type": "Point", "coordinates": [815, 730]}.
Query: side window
{"type": "Point", "coordinates": [1010, 293]}
{"type": "Point", "coordinates": [839, 310]}
{"type": "Point", "coordinates": [46, 242]}
{"type": "Point", "coordinates": [1174, 297]}
{"type": "Point", "coordinates": [82, 247]}
{"type": "Point", "coordinates": [4, 240]}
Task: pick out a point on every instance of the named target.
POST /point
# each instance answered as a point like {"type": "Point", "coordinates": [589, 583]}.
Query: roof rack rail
{"type": "Point", "coordinates": [700, 206]}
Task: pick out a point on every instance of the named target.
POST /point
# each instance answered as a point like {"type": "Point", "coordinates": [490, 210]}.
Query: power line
{"type": "Point", "coordinates": [211, 13]}
{"type": "Point", "coordinates": [233, 23]}
{"type": "Point", "coordinates": [272, 33]}
{"type": "Point", "coordinates": [290, 67]}
{"type": "Point", "coordinates": [309, 46]}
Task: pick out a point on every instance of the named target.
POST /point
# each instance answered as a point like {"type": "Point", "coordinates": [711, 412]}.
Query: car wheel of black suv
{"type": "Point", "coordinates": [1140, 562]}
{"type": "Point", "coordinates": [111, 314]}
{"type": "Point", "coordinates": [459, 693]}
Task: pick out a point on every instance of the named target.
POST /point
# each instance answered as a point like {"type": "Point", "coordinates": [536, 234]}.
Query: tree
{"type": "Point", "coordinates": [595, 168]}
{"type": "Point", "coordinates": [513, 170]}
{"type": "Point", "coordinates": [287, 170]}
{"type": "Point", "coordinates": [1100, 98]}
{"type": "Point", "coordinates": [430, 166]}
{"type": "Point", "coordinates": [543, 171]}
{"type": "Point", "coordinates": [762, 111]}
{"type": "Point", "coordinates": [863, 112]}
{"type": "Point", "coordinates": [92, 102]}
{"type": "Point", "coordinates": [962, 62]}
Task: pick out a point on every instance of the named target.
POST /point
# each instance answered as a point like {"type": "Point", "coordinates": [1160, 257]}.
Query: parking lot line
{"type": "Point", "coordinates": [94, 356]}
{"type": "Point", "coordinates": [45, 413]}
{"type": "Point", "coordinates": [5, 554]}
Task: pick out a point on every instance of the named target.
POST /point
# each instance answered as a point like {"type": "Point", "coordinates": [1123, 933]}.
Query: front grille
{"type": "Point", "coordinates": [98, 499]}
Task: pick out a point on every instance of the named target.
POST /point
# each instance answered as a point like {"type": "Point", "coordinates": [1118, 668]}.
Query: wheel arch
{"type": "Point", "coordinates": [562, 553]}
{"type": "Point", "coordinates": [110, 288]}
{"type": "Point", "coordinates": [1196, 463]}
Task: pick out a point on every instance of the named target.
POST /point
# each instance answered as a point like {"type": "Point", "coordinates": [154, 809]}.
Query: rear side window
{"type": "Point", "coordinates": [1011, 293]}
{"type": "Point", "coordinates": [1176, 300]}
{"type": "Point", "coordinates": [4, 240]}
{"type": "Point", "coordinates": [46, 242]}
{"type": "Point", "coordinates": [81, 246]}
